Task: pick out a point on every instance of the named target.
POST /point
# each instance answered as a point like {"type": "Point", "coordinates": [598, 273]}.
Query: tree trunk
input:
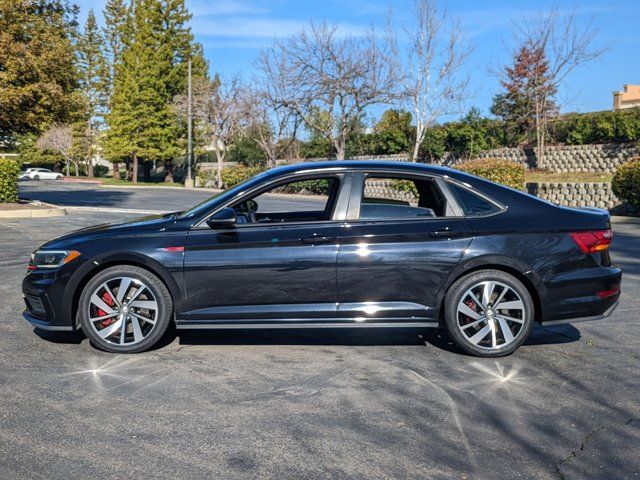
{"type": "Point", "coordinates": [341, 150]}
{"type": "Point", "coordinates": [68, 168]}
{"type": "Point", "coordinates": [77, 167]}
{"type": "Point", "coordinates": [134, 169]}
{"type": "Point", "coordinates": [220, 157]}
{"type": "Point", "coordinates": [416, 151]}
{"type": "Point", "coordinates": [116, 170]}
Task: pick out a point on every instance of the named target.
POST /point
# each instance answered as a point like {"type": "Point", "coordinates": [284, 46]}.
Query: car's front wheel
{"type": "Point", "coordinates": [125, 309]}
{"type": "Point", "coordinates": [488, 313]}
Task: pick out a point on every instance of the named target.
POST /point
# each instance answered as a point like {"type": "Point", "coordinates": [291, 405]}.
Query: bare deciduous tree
{"type": "Point", "coordinates": [434, 84]}
{"type": "Point", "coordinates": [272, 126]}
{"type": "Point", "coordinates": [566, 46]}
{"type": "Point", "coordinates": [319, 68]}
{"type": "Point", "coordinates": [60, 139]}
{"type": "Point", "coordinates": [218, 115]}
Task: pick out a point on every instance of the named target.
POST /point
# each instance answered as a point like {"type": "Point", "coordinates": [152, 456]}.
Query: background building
{"type": "Point", "coordinates": [628, 98]}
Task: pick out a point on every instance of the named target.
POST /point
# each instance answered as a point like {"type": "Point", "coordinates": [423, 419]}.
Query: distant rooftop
{"type": "Point", "coordinates": [629, 97]}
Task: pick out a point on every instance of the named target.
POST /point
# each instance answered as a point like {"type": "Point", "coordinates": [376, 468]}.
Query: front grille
{"type": "Point", "coordinates": [35, 306]}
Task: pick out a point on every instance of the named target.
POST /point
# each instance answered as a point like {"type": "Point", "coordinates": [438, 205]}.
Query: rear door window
{"type": "Point", "coordinates": [401, 197]}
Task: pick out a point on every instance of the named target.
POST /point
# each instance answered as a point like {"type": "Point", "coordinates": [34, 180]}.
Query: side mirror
{"type": "Point", "coordinates": [223, 219]}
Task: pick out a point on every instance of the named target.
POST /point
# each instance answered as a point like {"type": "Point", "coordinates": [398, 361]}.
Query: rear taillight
{"type": "Point", "coordinates": [593, 240]}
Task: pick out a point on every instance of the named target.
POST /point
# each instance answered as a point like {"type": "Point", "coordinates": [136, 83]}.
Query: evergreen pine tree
{"type": "Point", "coordinates": [176, 34]}
{"type": "Point", "coordinates": [141, 123]}
{"type": "Point", "coordinates": [38, 77]}
{"type": "Point", "coordinates": [93, 70]}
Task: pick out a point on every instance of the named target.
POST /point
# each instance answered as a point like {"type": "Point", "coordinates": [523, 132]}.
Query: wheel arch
{"type": "Point", "coordinates": [96, 265]}
{"type": "Point", "coordinates": [513, 267]}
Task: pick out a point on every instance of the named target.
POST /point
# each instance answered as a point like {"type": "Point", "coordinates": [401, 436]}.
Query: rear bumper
{"type": "Point", "coordinates": [601, 316]}
{"type": "Point", "coordinates": [582, 295]}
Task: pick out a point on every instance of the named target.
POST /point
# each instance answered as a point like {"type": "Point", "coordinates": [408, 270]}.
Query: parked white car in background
{"type": "Point", "coordinates": [40, 174]}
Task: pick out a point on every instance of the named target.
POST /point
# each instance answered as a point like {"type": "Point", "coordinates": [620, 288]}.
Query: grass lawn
{"type": "Point", "coordinates": [541, 176]}
{"type": "Point", "coordinates": [113, 181]}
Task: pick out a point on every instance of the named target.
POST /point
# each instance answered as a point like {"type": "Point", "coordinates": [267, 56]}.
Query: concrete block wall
{"type": "Point", "coordinates": [592, 194]}
{"type": "Point", "coordinates": [602, 158]}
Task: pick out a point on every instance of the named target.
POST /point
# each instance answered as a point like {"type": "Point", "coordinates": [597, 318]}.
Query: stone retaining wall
{"type": "Point", "coordinates": [595, 194]}
{"type": "Point", "coordinates": [603, 158]}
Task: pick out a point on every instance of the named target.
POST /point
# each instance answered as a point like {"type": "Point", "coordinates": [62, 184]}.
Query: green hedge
{"type": "Point", "coordinates": [626, 182]}
{"type": "Point", "coordinates": [599, 127]}
{"type": "Point", "coordinates": [232, 176]}
{"type": "Point", "coordinates": [9, 171]}
{"type": "Point", "coordinates": [505, 172]}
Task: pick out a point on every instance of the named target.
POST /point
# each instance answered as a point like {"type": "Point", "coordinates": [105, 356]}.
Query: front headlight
{"type": "Point", "coordinates": [51, 258]}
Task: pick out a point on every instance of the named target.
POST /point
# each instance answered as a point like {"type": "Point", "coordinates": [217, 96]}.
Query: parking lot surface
{"type": "Point", "coordinates": [316, 404]}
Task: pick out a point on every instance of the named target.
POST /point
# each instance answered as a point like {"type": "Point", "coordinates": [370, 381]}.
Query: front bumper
{"type": "Point", "coordinates": [44, 325]}
{"type": "Point", "coordinates": [47, 306]}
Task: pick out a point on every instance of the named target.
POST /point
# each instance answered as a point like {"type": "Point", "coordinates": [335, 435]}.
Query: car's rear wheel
{"type": "Point", "coordinates": [488, 313]}
{"type": "Point", "coordinates": [125, 309]}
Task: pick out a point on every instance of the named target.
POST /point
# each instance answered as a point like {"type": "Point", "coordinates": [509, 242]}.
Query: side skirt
{"type": "Point", "coordinates": [330, 323]}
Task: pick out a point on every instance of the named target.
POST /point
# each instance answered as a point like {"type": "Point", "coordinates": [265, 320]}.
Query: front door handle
{"type": "Point", "coordinates": [445, 233]}
{"type": "Point", "coordinates": [315, 239]}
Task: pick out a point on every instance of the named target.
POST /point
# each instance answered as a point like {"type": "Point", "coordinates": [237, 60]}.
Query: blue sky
{"type": "Point", "coordinates": [232, 33]}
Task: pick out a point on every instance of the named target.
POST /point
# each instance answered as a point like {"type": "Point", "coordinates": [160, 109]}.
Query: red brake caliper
{"type": "Point", "coordinates": [109, 301]}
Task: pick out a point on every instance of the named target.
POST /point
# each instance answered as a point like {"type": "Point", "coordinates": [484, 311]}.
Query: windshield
{"type": "Point", "coordinates": [212, 201]}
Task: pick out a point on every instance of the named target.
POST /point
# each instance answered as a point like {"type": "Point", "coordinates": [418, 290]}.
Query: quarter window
{"type": "Point", "coordinates": [472, 205]}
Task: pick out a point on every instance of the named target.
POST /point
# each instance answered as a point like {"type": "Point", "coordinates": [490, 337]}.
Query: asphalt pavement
{"type": "Point", "coordinates": [312, 404]}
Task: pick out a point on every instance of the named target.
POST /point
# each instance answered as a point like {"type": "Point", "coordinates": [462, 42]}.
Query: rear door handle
{"type": "Point", "coordinates": [446, 233]}
{"type": "Point", "coordinates": [315, 239]}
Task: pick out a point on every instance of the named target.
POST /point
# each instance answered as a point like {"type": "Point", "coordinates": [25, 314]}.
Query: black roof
{"type": "Point", "coordinates": [365, 165]}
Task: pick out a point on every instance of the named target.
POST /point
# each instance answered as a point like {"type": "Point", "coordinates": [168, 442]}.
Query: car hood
{"type": "Point", "coordinates": [134, 227]}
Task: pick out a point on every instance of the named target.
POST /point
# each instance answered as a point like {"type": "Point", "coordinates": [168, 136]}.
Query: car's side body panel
{"type": "Point", "coordinates": [387, 272]}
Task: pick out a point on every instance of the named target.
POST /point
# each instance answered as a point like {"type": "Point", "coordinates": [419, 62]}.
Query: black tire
{"type": "Point", "coordinates": [159, 292]}
{"type": "Point", "coordinates": [36, 177]}
{"type": "Point", "coordinates": [454, 319]}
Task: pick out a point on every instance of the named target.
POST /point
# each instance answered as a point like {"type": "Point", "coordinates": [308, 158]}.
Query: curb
{"type": "Point", "coordinates": [82, 180]}
{"type": "Point", "coordinates": [53, 211]}
{"type": "Point", "coordinates": [625, 220]}
{"type": "Point", "coordinates": [168, 187]}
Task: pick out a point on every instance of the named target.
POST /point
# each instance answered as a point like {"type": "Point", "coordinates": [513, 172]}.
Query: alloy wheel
{"type": "Point", "coordinates": [490, 315]}
{"type": "Point", "coordinates": [123, 311]}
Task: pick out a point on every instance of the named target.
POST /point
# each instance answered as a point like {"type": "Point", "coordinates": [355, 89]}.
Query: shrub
{"type": "Point", "coordinates": [626, 182]}
{"type": "Point", "coordinates": [9, 171]}
{"type": "Point", "coordinates": [206, 178]}
{"type": "Point", "coordinates": [232, 176]}
{"type": "Point", "coordinates": [505, 172]}
{"type": "Point", "coordinates": [306, 187]}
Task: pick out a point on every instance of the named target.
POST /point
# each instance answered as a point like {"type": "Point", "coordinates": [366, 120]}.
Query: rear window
{"type": "Point", "coordinates": [472, 205]}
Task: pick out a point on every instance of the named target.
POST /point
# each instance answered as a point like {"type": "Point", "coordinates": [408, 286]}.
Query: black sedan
{"type": "Point", "coordinates": [364, 244]}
